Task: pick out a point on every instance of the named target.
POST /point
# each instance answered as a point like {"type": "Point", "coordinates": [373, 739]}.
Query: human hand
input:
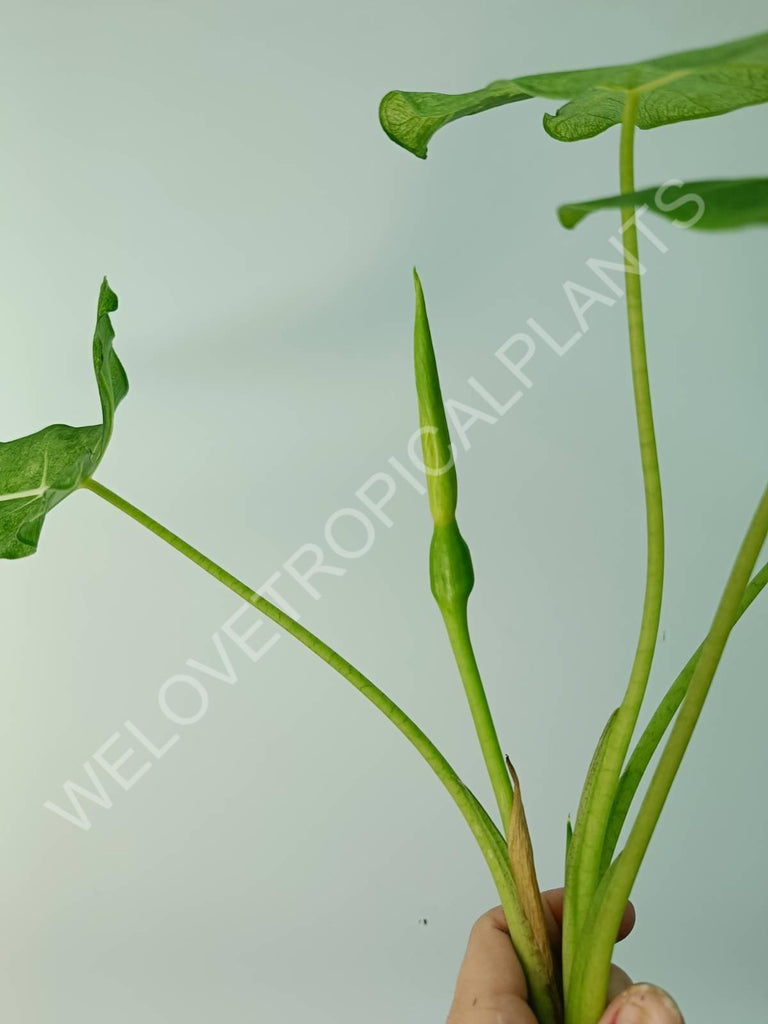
{"type": "Point", "coordinates": [491, 988]}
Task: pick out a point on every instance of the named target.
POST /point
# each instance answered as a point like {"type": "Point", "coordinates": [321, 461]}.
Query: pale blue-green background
{"type": "Point", "coordinates": [223, 164]}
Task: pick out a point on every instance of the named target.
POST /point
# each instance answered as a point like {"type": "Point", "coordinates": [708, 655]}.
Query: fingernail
{"type": "Point", "coordinates": [647, 1004]}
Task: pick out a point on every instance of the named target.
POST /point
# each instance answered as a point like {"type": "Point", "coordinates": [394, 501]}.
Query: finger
{"type": "Point", "coordinates": [618, 981]}
{"type": "Point", "coordinates": [554, 899]}
{"type": "Point", "coordinates": [643, 1004]}
{"type": "Point", "coordinates": [491, 982]}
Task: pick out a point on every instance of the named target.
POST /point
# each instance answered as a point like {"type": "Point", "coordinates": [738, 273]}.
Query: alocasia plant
{"type": "Point", "coordinates": [40, 470]}
{"type": "Point", "coordinates": [694, 84]}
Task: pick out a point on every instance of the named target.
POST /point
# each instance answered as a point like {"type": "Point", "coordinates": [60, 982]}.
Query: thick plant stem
{"type": "Point", "coordinates": [458, 633]}
{"type": "Point", "coordinates": [488, 837]}
{"type": "Point", "coordinates": [592, 964]}
{"type": "Point", "coordinates": [595, 819]}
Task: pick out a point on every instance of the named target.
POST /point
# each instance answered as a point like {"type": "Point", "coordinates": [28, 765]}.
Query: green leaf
{"type": "Point", "coordinates": [706, 205]}
{"type": "Point", "coordinates": [677, 87]}
{"type": "Point", "coordinates": [40, 470]}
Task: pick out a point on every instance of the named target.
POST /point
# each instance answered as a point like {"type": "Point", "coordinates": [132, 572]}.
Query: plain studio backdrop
{"type": "Point", "coordinates": [290, 857]}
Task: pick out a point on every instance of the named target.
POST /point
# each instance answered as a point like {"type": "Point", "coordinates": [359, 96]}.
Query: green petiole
{"type": "Point", "coordinates": [452, 579]}
{"type": "Point", "coordinates": [487, 835]}
{"type": "Point", "coordinates": [592, 820]}
{"type": "Point", "coordinates": [409, 729]}
{"type": "Point", "coordinates": [577, 900]}
{"type": "Point", "coordinates": [589, 978]}
{"type": "Point", "coordinates": [450, 564]}
{"type": "Point", "coordinates": [657, 726]}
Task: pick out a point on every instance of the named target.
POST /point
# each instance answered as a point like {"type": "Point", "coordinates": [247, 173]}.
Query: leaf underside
{"type": "Point", "coordinates": [677, 87]}
{"type": "Point", "coordinates": [40, 470]}
{"type": "Point", "coordinates": [704, 205]}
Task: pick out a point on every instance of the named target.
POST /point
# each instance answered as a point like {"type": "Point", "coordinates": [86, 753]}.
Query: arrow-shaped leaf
{"type": "Point", "coordinates": [677, 87]}
{"type": "Point", "coordinates": [40, 470]}
{"type": "Point", "coordinates": [706, 205]}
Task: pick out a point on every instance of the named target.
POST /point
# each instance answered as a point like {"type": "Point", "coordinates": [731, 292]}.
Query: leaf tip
{"type": "Point", "coordinates": [107, 298]}
{"type": "Point", "coordinates": [569, 216]}
{"type": "Point", "coordinates": [513, 773]}
{"type": "Point", "coordinates": [397, 118]}
{"type": "Point", "coordinates": [421, 303]}
{"type": "Point", "coordinates": [549, 121]}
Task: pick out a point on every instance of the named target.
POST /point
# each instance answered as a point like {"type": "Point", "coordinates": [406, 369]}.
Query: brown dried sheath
{"type": "Point", "coordinates": [527, 885]}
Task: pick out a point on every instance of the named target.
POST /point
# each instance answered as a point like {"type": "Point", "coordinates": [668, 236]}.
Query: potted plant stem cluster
{"type": "Point", "coordinates": [42, 469]}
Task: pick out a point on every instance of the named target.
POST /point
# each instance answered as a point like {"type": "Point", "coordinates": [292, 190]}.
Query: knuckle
{"type": "Point", "coordinates": [493, 918]}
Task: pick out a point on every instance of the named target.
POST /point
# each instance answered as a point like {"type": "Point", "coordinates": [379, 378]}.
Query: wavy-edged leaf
{"type": "Point", "coordinates": [40, 470]}
{"type": "Point", "coordinates": [677, 87]}
{"type": "Point", "coordinates": [706, 205]}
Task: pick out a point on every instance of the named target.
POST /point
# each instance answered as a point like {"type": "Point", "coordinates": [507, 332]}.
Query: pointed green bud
{"type": "Point", "coordinates": [450, 565]}
{"type": "Point", "coordinates": [435, 439]}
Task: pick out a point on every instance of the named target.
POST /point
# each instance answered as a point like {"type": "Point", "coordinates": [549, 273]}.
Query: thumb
{"type": "Point", "coordinates": [642, 1004]}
